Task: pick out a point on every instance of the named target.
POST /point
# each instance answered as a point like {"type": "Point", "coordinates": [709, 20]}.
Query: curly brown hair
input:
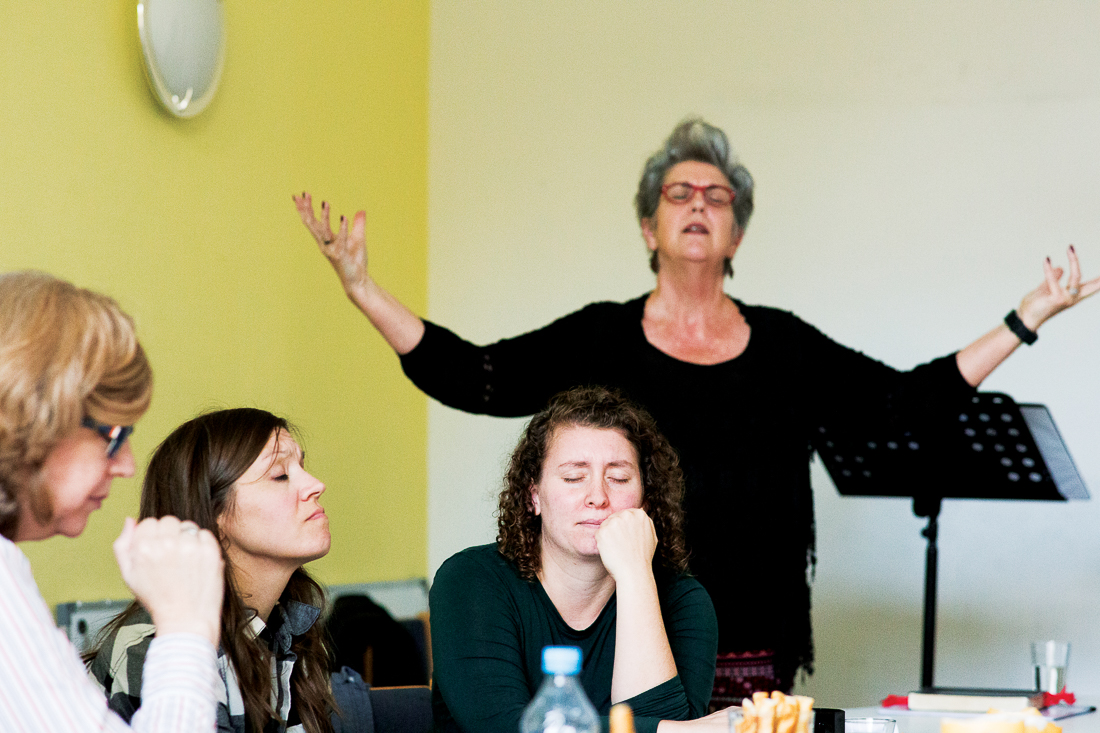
{"type": "Point", "coordinates": [519, 529]}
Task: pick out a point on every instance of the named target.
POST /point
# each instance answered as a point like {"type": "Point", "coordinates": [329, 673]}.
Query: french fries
{"type": "Point", "coordinates": [776, 713]}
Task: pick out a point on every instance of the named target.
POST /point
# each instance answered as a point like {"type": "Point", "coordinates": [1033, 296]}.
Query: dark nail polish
{"type": "Point", "coordinates": [324, 204]}
{"type": "Point", "coordinates": [341, 219]}
{"type": "Point", "coordinates": [1072, 249]}
{"type": "Point", "coordinates": [1048, 261]}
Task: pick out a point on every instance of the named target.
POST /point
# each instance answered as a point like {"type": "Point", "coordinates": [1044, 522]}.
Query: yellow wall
{"type": "Point", "coordinates": [190, 225]}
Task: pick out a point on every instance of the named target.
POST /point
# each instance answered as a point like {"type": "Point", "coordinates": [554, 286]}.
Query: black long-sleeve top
{"type": "Point", "coordinates": [743, 430]}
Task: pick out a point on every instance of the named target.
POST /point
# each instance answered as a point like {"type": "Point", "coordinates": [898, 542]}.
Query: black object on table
{"type": "Point", "coordinates": [988, 447]}
{"type": "Point", "coordinates": [828, 720]}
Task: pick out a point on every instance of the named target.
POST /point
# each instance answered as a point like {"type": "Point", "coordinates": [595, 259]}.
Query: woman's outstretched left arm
{"type": "Point", "coordinates": [978, 360]}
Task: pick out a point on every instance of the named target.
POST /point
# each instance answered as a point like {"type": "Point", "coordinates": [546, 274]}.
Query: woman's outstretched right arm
{"type": "Point", "coordinates": [346, 251]}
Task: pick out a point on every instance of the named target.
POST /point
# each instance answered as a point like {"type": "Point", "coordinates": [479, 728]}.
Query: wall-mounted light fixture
{"type": "Point", "coordinates": [183, 42]}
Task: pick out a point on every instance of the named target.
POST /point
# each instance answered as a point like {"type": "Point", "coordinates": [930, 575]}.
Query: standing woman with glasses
{"type": "Point", "coordinates": [73, 380]}
{"type": "Point", "coordinates": [738, 389]}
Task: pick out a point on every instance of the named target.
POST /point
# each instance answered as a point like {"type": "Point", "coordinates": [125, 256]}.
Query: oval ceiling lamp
{"type": "Point", "coordinates": [183, 42]}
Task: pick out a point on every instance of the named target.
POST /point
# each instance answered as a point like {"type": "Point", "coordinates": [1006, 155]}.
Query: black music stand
{"type": "Point", "coordinates": [988, 448]}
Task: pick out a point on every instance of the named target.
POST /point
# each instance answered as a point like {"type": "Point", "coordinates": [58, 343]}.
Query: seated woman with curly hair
{"type": "Point", "coordinates": [589, 553]}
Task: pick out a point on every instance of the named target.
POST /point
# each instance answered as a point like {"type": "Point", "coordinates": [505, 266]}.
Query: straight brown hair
{"type": "Point", "coordinates": [192, 475]}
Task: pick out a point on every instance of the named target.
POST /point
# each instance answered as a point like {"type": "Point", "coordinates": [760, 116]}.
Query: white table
{"type": "Point", "coordinates": [922, 722]}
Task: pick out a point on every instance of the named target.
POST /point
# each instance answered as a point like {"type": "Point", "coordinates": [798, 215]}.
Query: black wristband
{"type": "Point", "coordinates": [1025, 334]}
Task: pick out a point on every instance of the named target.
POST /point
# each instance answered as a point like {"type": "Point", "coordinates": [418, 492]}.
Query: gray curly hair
{"type": "Point", "coordinates": [694, 139]}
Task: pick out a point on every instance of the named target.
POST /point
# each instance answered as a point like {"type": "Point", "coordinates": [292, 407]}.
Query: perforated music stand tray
{"type": "Point", "coordinates": [987, 448]}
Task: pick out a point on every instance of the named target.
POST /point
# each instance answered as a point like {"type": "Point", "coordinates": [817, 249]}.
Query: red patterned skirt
{"type": "Point", "coordinates": [739, 674]}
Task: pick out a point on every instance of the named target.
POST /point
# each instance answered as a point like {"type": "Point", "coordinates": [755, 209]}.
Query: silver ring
{"type": "Point", "coordinates": [1074, 291]}
{"type": "Point", "coordinates": [329, 241]}
{"type": "Point", "coordinates": [190, 529]}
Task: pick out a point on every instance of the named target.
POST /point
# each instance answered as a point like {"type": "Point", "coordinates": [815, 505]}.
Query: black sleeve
{"type": "Point", "coordinates": [871, 423]}
{"type": "Point", "coordinates": [845, 389]}
{"type": "Point", "coordinates": [513, 377]}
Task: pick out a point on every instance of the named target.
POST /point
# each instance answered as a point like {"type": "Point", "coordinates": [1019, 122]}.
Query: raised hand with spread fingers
{"type": "Point", "coordinates": [1051, 297]}
{"type": "Point", "coordinates": [980, 358]}
{"type": "Point", "coordinates": [346, 251]}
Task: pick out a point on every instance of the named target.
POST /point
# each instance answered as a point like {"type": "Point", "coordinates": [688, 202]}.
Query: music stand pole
{"type": "Point", "coordinates": [929, 507]}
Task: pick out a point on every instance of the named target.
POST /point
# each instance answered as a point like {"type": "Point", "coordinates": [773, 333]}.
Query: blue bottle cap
{"type": "Point", "coordinates": [561, 660]}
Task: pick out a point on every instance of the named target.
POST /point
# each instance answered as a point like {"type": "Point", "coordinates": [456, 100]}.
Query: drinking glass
{"type": "Point", "coordinates": [736, 715]}
{"type": "Point", "coordinates": [1050, 659]}
{"type": "Point", "coordinates": [870, 725]}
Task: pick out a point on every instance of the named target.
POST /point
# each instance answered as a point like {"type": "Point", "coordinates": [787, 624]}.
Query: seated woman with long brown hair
{"type": "Point", "coordinates": [240, 474]}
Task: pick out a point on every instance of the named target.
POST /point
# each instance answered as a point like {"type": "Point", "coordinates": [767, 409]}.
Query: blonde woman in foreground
{"type": "Point", "coordinates": [73, 380]}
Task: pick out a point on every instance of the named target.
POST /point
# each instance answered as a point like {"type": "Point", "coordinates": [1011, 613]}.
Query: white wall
{"type": "Point", "coordinates": [915, 163]}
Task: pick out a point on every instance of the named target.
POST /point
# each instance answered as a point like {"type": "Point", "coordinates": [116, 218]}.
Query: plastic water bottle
{"type": "Point", "coordinates": [560, 705]}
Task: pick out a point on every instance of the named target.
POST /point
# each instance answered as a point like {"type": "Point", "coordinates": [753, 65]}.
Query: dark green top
{"type": "Point", "coordinates": [489, 627]}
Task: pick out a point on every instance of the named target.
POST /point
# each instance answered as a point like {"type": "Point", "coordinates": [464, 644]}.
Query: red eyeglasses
{"type": "Point", "coordinates": [682, 192]}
